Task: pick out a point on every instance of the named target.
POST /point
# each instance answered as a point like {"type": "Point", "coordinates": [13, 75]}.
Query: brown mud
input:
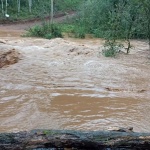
{"type": "Point", "coordinates": [8, 57]}
{"type": "Point", "coordinates": [68, 84]}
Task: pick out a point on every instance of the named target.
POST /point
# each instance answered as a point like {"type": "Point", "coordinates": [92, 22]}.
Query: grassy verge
{"type": "Point", "coordinates": [56, 30]}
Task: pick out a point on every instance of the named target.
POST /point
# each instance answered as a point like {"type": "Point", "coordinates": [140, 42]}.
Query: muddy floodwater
{"type": "Point", "coordinates": [68, 84]}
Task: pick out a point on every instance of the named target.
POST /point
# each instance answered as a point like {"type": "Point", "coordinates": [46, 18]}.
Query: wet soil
{"type": "Point", "coordinates": [8, 57]}
{"type": "Point", "coordinates": [68, 84]}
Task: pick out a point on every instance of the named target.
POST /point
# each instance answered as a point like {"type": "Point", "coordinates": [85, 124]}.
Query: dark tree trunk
{"type": "Point", "coordinates": [94, 140]}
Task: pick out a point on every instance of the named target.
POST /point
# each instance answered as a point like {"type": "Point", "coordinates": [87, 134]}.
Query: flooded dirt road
{"type": "Point", "coordinates": [68, 84]}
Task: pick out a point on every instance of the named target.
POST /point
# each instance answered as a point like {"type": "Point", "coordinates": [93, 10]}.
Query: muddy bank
{"type": "Point", "coordinates": [56, 139]}
{"type": "Point", "coordinates": [8, 57]}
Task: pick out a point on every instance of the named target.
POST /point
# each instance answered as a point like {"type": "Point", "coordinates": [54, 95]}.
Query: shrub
{"type": "Point", "coordinates": [48, 36]}
{"type": "Point", "coordinates": [35, 31]}
{"type": "Point", "coordinates": [55, 31]}
{"type": "Point", "coordinates": [111, 48]}
{"type": "Point", "coordinates": [46, 31]}
{"type": "Point", "coordinates": [80, 33]}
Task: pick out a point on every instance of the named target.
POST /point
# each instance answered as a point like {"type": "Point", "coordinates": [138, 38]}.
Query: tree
{"type": "Point", "coordinates": [52, 11]}
{"type": "Point", "coordinates": [30, 5]}
{"type": "Point", "coordinates": [146, 10]}
{"type": "Point", "coordinates": [2, 7]}
{"type": "Point", "coordinates": [18, 4]}
{"type": "Point", "coordinates": [6, 7]}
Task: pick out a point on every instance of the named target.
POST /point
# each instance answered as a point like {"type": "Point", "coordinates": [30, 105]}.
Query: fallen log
{"type": "Point", "coordinates": [77, 140]}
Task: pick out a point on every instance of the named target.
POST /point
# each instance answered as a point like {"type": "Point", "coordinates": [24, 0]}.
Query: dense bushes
{"type": "Point", "coordinates": [47, 31]}
{"type": "Point", "coordinates": [119, 18]}
{"type": "Point", "coordinates": [113, 20]}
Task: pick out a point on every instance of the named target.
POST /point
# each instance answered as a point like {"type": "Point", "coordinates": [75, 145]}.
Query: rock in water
{"type": "Point", "coordinates": [120, 129]}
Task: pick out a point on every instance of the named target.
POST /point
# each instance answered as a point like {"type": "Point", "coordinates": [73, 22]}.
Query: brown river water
{"type": "Point", "coordinates": [68, 84]}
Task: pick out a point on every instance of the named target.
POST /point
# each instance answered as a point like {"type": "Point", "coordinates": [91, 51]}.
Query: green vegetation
{"type": "Point", "coordinates": [29, 9]}
{"type": "Point", "coordinates": [113, 20]}
{"type": "Point", "coordinates": [110, 19]}
{"type": "Point", "coordinates": [47, 31]}
{"type": "Point", "coordinates": [111, 48]}
{"type": "Point", "coordinates": [72, 29]}
{"type": "Point", "coordinates": [119, 18]}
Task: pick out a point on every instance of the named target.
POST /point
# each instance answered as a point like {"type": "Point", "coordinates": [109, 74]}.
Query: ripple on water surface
{"type": "Point", "coordinates": [70, 109]}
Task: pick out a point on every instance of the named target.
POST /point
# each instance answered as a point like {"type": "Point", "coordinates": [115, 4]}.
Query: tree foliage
{"type": "Point", "coordinates": [119, 16]}
{"type": "Point", "coordinates": [116, 19]}
{"type": "Point", "coordinates": [22, 9]}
